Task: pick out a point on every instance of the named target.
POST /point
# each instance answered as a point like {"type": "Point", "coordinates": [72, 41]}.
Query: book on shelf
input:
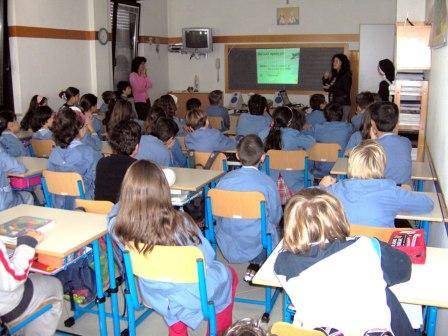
{"type": "Point", "coordinates": [17, 227]}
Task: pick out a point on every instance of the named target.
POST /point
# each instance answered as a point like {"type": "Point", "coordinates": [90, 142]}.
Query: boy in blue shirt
{"type": "Point", "coordinates": [8, 130]}
{"type": "Point", "coordinates": [256, 120]}
{"type": "Point", "coordinates": [384, 120]}
{"type": "Point", "coordinates": [363, 100]}
{"type": "Point", "coordinates": [317, 105]}
{"type": "Point", "coordinates": [240, 239]}
{"type": "Point", "coordinates": [216, 108]}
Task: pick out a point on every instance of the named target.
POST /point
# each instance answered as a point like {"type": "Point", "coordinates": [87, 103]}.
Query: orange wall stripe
{"type": "Point", "coordinates": [53, 33]}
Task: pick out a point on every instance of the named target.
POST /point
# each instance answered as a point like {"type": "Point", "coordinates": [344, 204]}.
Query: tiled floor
{"type": "Point", "coordinates": [154, 325]}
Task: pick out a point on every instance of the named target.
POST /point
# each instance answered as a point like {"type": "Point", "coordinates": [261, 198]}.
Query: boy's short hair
{"type": "Point", "coordinates": [257, 104]}
{"type": "Point", "coordinates": [364, 99]}
{"type": "Point", "coordinates": [313, 216]}
{"type": "Point", "coordinates": [246, 327]}
{"type": "Point", "coordinates": [215, 97]}
{"type": "Point", "coordinates": [193, 103]}
{"type": "Point", "coordinates": [385, 115]}
{"type": "Point", "coordinates": [122, 85]}
{"type": "Point", "coordinates": [196, 118]}
{"type": "Point", "coordinates": [367, 161]}
{"type": "Point", "coordinates": [165, 129]}
{"type": "Point", "coordinates": [316, 100]}
{"type": "Point", "coordinates": [124, 137]}
{"type": "Point", "coordinates": [250, 149]}
{"type": "Point", "coordinates": [333, 112]}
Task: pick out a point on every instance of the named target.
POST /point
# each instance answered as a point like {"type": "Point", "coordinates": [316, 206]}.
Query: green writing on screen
{"type": "Point", "coordinates": [278, 66]}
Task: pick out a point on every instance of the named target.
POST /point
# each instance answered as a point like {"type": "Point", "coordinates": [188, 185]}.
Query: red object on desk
{"type": "Point", "coordinates": [411, 242]}
{"type": "Point", "coordinates": [24, 182]}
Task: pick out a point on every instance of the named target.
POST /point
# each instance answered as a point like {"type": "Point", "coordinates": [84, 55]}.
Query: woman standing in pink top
{"type": "Point", "coordinates": [140, 83]}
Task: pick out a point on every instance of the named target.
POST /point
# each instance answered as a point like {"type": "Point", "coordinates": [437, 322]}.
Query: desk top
{"type": "Point", "coordinates": [427, 285]}
{"type": "Point", "coordinates": [194, 179]}
{"type": "Point", "coordinates": [434, 216]}
{"type": "Point", "coordinates": [34, 165]}
{"type": "Point", "coordinates": [72, 229]}
{"type": "Point", "coordinates": [420, 170]}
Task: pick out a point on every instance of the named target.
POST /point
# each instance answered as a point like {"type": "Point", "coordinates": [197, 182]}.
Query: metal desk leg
{"type": "Point", "coordinates": [431, 321]}
{"type": "Point", "coordinates": [425, 226]}
{"type": "Point", "coordinates": [420, 185]}
{"type": "Point", "coordinates": [113, 289]}
{"type": "Point", "coordinates": [100, 298]}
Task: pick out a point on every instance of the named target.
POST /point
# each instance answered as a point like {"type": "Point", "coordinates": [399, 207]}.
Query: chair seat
{"type": "Point", "coordinates": [23, 318]}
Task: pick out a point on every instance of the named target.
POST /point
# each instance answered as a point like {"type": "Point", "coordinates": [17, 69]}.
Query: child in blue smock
{"type": "Point", "coordinates": [70, 154]}
{"type": "Point", "coordinates": [41, 122]}
{"type": "Point", "coordinates": [145, 194]}
{"type": "Point", "coordinates": [90, 137]}
{"type": "Point", "coordinates": [8, 138]}
{"type": "Point", "coordinates": [8, 197]}
{"type": "Point", "coordinates": [203, 138]}
{"type": "Point", "coordinates": [367, 197]}
{"type": "Point", "coordinates": [257, 119]}
{"type": "Point", "coordinates": [89, 106]}
{"type": "Point", "coordinates": [317, 105]}
{"type": "Point", "coordinates": [363, 100]}
{"type": "Point", "coordinates": [240, 239]}
{"type": "Point", "coordinates": [334, 130]}
{"type": "Point", "coordinates": [216, 108]}
{"type": "Point", "coordinates": [281, 136]}
{"type": "Point", "coordinates": [398, 149]}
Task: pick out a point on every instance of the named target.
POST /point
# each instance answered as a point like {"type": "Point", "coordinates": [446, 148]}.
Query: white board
{"type": "Point", "coordinates": [376, 42]}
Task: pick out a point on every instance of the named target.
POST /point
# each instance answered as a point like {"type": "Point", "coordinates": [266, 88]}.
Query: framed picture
{"type": "Point", "coordinates": [287, 16]}
{"type": "Point", "coordinates": [439, 24]}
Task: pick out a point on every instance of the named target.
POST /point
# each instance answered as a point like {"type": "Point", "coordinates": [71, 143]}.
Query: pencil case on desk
{"type": "Point", "coordinates": [411, 242]}
{"type": "Point", "coordinates": [24, 182]}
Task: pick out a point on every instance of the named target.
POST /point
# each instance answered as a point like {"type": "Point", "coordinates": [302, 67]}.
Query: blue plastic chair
{"type": "Point", "coordinates": [187, 268]}
{"type": "Point", "coordinates": [288, 160]}
{"type": "Point", "coordinates": [67, 184]}
{"type": "Point", "coordinates": [244, 205]}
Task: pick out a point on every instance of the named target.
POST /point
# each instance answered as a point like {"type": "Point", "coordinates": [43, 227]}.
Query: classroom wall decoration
{"type": "Point", "coordinates": [439, 24]}
{"type": "Point", "coordinates": [287, 16]}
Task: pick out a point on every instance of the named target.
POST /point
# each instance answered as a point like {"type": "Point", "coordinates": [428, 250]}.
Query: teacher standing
{"type": "Point", "coordinates": [140, 84]}
{"type": "Point", "coordinates": [338, 83]}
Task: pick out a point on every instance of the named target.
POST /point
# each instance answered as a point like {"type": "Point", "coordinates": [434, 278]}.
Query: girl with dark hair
{"type": "Point", "coordinates": [338, 83]}
{"type": "Point", "coordinates": [119, 111]}
{"type": "Point", "coordinates": [35, 102]}
{"type": "Point", "coordinates": [387, 70]}
{"type": "Point", "coordinates": [140, 84]}
{"type": "Point", "coordinates": [282, 136]}
{"type": "Point", "coordinates": [41, 122]}
{"type": "Point", "coordinates": [88, 104]}
{"type": "Point", "coordinates": [70, 95]}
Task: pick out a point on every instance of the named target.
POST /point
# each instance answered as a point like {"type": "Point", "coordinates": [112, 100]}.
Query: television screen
{"type": "Point", "coordinates": [196, 39]}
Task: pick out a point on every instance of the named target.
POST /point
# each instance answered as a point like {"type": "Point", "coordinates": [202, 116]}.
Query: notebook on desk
{"type": "Point", "coordinates": [17, 227]}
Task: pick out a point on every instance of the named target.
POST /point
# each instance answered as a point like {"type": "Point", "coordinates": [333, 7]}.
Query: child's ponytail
{"type": "Point", "coordinates": [283, 117]}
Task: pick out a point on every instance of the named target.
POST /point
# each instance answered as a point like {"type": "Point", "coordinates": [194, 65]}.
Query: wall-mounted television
{"type": "Point", "coordinates": [197, 40]}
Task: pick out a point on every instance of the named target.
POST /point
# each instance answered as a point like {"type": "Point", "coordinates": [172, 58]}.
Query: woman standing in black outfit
{"type": "Point", "coordinates": [387, 70]}
{"type": "Point", "coordinates": [338, 83]}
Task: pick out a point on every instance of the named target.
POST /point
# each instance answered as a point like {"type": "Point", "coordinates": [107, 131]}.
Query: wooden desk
{"type": "Point", "coordinates": [194, 179]}
{"type": "Point", "coordinates": [34, 165]}
{"type": "Point", "coordinates": [182, 98]}
{"type": "Point", "coordinates": [434, 216]}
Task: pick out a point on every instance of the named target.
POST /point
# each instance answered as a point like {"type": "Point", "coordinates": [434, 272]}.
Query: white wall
{"type": "Point", "coordinates": [412, 9]}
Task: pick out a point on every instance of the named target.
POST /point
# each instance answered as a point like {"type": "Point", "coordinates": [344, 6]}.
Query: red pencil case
{"type": "Point", "coordinates": [24, 182]}
{"type": "Point", "coordinates": [411, 242]}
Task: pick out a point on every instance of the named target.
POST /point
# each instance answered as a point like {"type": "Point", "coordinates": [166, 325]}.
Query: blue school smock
{"type": "Point", "coordinates": [240, 239]}
{"type": "Point", "coordinates": [153, 149]}
{"type": "Point", "coordinates": [219, 111]}
{"type": "Point", "coordinates": [376, 202]}
{"type": "Point", "coordinates": [9, 164]}
{"type": "Point", "coordinates": [292, 139]}
{"type": "Point", "coordinates": [354, 141]}
{"type": "Point", "coordinates": [43, 134]}
{"type": "Point", "coordinates": [252, 124]}
{"type": "Point", "coordinates": [208, 140]}
{"type": "Point", "coordinates": [315, 117]}
{"type": "Point", "coordinates": [12, 144]}
{"type": "Point", "coordinates": [358, 120]}
{"type": "Point", "coordinates": [79, 158]}
{"type": "Point", "coordinates": [398, 157]}
{"type": "Point", "coordinates": [92, 140]}
{"type": "Point", "coordinates": [97, 125]}
{"type": "Point", "coordinates": [181, 302]}
{"type": "Point", "coordinates": [331, 132]}
{"type": "Point", "coordinates": [179, 158]}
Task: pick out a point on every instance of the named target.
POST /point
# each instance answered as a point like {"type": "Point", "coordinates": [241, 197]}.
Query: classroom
{"type": "Point", "coordinates": [224, 167]}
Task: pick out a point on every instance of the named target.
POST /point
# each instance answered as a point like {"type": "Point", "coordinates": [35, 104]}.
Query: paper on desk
{"type": "Point", "coordinates": [414, 313]}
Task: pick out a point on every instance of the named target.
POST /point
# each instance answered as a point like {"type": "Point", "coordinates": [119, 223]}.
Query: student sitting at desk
{"type": "Point", "coordinates": [41, 122]}
{"type": "Point", "coordinates": [9, 197]}
{"type": "Point", "coordinates": [216, 108]}
{"type": "Point", "coordinates": [240, 239]}
{"type": "Point", "coordinates": [110, 170]}
{"type": "Point", "coordinates": [8, 138]}
{"type": "Point", "coordinates": [204, 138]}
{"type": "Point", "coordinates": [256, 120]}
{"type": "Point", "coordinates": [88, 104]}
{"type": "Point", "coordinates": [365, 132]}
{"type": "Point", "coordinates": [316, 248]}
{"type": "Point", "coordinates": [368, 198]}
{"type": "Point", "coordinates": [35, 102]}
{"type": "Point", "coordinates": [363, 100]}
{"type": "Point", "coordinates": [23, 292]}
{"type": "Point", "coordinates": [317, 105]}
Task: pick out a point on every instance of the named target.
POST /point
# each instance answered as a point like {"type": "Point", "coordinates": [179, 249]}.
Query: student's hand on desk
{"type": "Point", "coordinates": [327, 181]}
{"type": "Point", "coordinates": [36, 235]}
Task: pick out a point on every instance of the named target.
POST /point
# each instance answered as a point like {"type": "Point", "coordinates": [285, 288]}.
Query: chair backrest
{"type": "Point", "coordinates": [215, 122]}
{"type": "Point", "coordinates": [382, 234]}
{"type": "Point", "coordinates": [42, 148]}
{"type": "Point", "coordinates": [175, 264]}
{"type": "Point", "coordinates": [64, 183]}
{"type": "Point", "coordinates": [220, 163]}
{"type": "Point", "coordinates": [287, 160]}
{"type": "Point", "coordinates": [97, 207]}
{"type": "Point", "coordinates": [324, 152]}
{"type": "Point", "coordinates": [287, 329]}
{"type": "Point", "coordinates": [236, 204]}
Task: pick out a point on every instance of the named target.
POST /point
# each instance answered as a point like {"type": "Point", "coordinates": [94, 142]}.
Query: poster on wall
{"type": "Point", "coordinates": [439, 24]}
{"type": "Point", "coordinates": [287, 16]}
